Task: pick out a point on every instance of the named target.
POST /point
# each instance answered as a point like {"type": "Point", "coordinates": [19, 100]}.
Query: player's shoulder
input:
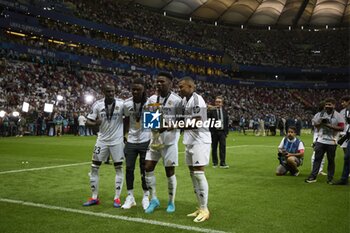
{"type": "Point", "coordinates": [175, 96]}
{"type": "Point", "coordinates": [198, 99]}
{"type": "Point", "coordinates": [98, 103]}
{"type": "Point", "coordinates": [119, 100]}
{"type": "Point", "coordinates": [128, 101]}
{"type": "Point", "coordinates": [152, 99]}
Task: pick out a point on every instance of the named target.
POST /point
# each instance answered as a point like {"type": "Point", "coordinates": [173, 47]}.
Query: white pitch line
{"type": "Point", "coordinates": [43, 168]}
{"type": "Point", "coordinates": [103, 215]}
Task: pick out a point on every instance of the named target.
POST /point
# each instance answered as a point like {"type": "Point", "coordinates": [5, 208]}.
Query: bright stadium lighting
{"type": "Point", "coordinates": [89, 99]}
{"type": "Point", "coordinates": [290, 28]}
{"type": "Point", "coordinates": [59, 97]}
{"type": "Point", "coordinates": [326, 26]}
{"type": "Point", "coordinates": [48, 108]}
{"type": "Point", "coordinates": [216, 23]}
{"type": "Point", "coordinates": [269, 28]}
{"type": "Point", "coordinates": [242, 26]}
{"type": "Point", "coordinates": [25, 107]}
{"type": "Point", "coordinates": [164, 13]}
{"type": "Point", "coordinates": [2, 113]}
{"type": "Point", "coordinates": [190, 19]}
{"type": "Point", "coordinates": [15, 114]}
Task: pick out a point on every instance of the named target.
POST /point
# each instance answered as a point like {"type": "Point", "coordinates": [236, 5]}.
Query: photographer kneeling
{"type": "Point", "coordinates": [290, 154]}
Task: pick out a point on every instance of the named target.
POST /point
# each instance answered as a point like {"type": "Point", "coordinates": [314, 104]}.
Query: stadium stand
{"type": "Point", "coordinates": [72, 49]}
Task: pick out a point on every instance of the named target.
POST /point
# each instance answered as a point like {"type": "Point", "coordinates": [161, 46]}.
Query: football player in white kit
{"type": "Point", "coordinates": [137, 143]}
{"type": "Point", "coordinates": [107, 114]}
{"type": "Point", "coordinates": [197, 142]}
{"type": "Point", "coordinates": [169, 102]}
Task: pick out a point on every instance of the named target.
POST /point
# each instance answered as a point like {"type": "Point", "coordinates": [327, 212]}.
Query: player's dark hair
{"type": "Point", "coordinates": [345, 98]}
{"type": "Point", "coordinates": [166, 74]}
{"type": "Point", "coordinates": [140, 81]}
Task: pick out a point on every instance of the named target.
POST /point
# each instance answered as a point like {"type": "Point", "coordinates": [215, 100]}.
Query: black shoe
{"type": "Point", "coordinates": [310, 180]}
{"type": "Point", "coordinates": [296, 173]}
{"type": "Point", "coordinates": [330, 182]}
{"type": "Point", "coordinates": [215, 165]}
{"type": "Point", "coordinates": [341, 182]}
{"type": "Point", "coordinates": [224, 165]}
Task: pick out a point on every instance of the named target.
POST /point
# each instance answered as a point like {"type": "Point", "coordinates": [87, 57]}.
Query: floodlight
{"type": "Point", "coordinates": [89, 98]}
{"type": "Point", "coordinates": [59, 97]}
{"type": "Point", "coordinates": [25, 107]}
{"type": "Point", "coordinates": [15, 113]}
{"type": "Point", "coordinates": [48, 108]}
{"type": "Point", "coordinates": [2, 113]}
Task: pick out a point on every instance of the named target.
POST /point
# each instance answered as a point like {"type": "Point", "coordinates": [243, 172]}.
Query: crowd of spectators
{"type": "Point", "coordinates": [279, 48]}
{"type": "Point", "coordinates": [38, 84]}
{"type": "Point", "coordinates": [38, 80]}
{"type": "Point", "coordinates": [295, 48]}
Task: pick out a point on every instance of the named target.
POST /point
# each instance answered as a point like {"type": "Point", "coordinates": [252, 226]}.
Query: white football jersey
{"type": "Point", "coordinates": [195, 107]}
{"type": "Point", "coordinates": [111, 128]}
{"type": "Point", "coordinates": [170, 105]}
{"type": "Point", "coordinates": [136, 132]}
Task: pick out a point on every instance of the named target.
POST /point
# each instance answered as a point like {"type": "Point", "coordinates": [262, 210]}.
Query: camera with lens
{"type": "Point", "coordinates": [282, 157]}
{"type": "Point", "coordinates": [282, 153]}
{"type": "Point", "coordinates": [325, 121]}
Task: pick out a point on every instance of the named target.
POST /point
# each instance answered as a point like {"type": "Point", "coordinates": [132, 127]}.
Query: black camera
{"type": "Point", "coordinates": [283, 153]}
{"type": "Point", "coordinates": [325, 121]}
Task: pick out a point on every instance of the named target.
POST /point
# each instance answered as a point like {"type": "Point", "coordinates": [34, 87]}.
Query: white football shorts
{"type": "Point", "coordinates": [197, 154]}
{"type": "Point", "coordinates": [169, 154]}
{"type": "Point", "coordinates": [102, 151]}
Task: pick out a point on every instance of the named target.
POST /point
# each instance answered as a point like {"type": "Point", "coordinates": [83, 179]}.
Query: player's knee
{"type": "Point", "coordinates": [149, 166]}
{"type": "Point", "coordinates": [170, 171]}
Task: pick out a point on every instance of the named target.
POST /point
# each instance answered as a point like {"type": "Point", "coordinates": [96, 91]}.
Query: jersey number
{"type": "Point", "coordinates": [97, 150]}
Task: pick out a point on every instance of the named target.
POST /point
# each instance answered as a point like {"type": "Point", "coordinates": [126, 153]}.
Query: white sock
{"type": "Point", "coordinates": [145, 193]}
{"type": "Point", "coordinates": [94, 181]}
{"type": "Point", "coordinates": [203, 188]}
{"type": "Point", "coordinates": [131, 192]}
{"type": "Point", "coordinates": [119, 178]}
{"type": "Point", "coordinates": [195, 186]}
{"type": "Point", "coordinates": [172, 183]}
{"type": "Point", "coordinates": [151, 183]}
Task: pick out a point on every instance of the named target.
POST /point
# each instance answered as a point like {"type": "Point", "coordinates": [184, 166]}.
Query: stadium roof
{"type": "Point", "coordinates": [258, 12]}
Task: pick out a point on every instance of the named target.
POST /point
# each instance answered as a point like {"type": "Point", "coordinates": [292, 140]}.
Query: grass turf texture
{"type": "Point", "coordinates": [247, 197]}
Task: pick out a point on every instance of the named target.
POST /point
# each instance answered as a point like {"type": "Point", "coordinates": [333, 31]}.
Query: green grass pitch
{"type": "Point", "coordinates": [245, 198]}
